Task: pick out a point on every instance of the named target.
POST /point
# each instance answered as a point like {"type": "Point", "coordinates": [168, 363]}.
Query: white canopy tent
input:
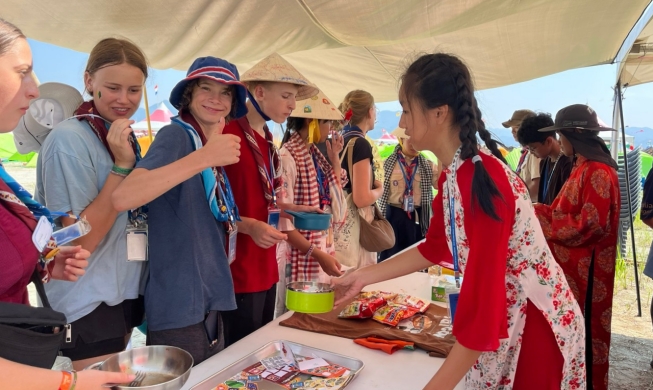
{"type": "Point", "coordinates": [341, 45]}
{"type": "Point", "coordinates": [635, 61]}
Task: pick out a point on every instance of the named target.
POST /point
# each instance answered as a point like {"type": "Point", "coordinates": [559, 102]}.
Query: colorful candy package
{"type": "Point", "coordinates": [362, 308]}
{"type": "Point", "coordinates": [393, 314]}
{"type": "Point", "coordinates": [419, 304]}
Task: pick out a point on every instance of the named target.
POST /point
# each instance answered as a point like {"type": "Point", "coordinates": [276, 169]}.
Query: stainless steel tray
{"type": "Point", "coordinates": [354, 365]}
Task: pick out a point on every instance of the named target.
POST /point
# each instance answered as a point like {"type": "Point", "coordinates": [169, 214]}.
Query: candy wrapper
{"type": "Point", "coordinates": [419, 304]}
{"type": "Point", "coordinates": [321, 368]}
{"type": "Point", "coordinates": [362, 308]}
{"type": "Point", "coordinates": [388, 296]}
{"type": "Point", "coordinates": [393, 314]}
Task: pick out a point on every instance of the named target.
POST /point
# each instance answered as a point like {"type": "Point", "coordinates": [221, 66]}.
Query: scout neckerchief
{"type": "Point", "coordinates": [271, 182]}
{"type": "Point", "coordinates": [425, 169]}
{"type": "Point", "coordinates": [100, 128]}
{"type": "Point", "coordinates": [522, 158]}
{"type": "Point", "coordinates": [306, 192]}
{"type": "Point", "coordinates": [88, 112]}
{"type": "Point", "coordinates": [322, 181]}
{"type": "Point", "coordinates": [451, 182]}
{"type": "Point", "coordinates": [408, 171]}
{"type": "Point", "coordinates": [352, 131]}
{"type": "Point", "coordinates": [216, 184]}
{"type": "Point", "coordinates": [20, 203]}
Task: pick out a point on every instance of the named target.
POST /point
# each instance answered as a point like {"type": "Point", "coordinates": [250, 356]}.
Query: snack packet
{"type": "Point", "coordinates": [362, 308]}
{"type": "Point", "coordinates": [393, 314]}
{"type": "Point", "coordinates": [419, 304]}
{"type": "Point", "coordinates": [374, 294]}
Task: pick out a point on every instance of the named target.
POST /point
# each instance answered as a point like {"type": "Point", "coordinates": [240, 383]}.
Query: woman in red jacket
{"type": "Point", "coordinates": [19, 256]}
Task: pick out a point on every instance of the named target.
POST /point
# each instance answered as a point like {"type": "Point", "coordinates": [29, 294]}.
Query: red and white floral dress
{"type": "Point", "coordinates": [515, 304]}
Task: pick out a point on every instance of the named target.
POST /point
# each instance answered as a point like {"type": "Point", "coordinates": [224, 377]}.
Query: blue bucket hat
{"type": "Point", "coordinates": [215, 69]}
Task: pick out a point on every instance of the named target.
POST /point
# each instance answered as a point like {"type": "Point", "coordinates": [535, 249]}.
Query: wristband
{"type": "Point", "coordinates": [118, 174]}
{"type": "Point", "coordinates": [310, 251]}
{"type": "Point", "coordinates": [121, 171]}
{"type": "Point", "coordinates": [68, 380]}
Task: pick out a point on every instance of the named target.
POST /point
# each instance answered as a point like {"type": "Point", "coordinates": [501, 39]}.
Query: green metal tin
{"type": "Point", "coordinates": [309, 297]}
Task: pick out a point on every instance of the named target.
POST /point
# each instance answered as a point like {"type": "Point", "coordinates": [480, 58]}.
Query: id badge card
{"type": "Point", "coordinates": [409, 204]}
{"type": "Point", "coordinates": [232, 245]}
{"type": "Point", "coordinates": [137, 243]}
{"type": "Point", "coordinates": [42, 234]}
{"type": "Point", "coordinates": [273, 217]}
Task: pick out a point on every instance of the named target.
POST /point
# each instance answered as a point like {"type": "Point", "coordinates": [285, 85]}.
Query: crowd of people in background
{"type": "Point", "coordinates": [194, 241]}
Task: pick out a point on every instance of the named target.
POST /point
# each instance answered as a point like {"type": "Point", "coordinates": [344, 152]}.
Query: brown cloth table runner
{"type": "Point", "coordinates": [430, 331]}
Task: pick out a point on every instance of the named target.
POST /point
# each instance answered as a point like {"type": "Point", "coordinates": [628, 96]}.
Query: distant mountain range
{"type": "Point", "coordinates": [389, 120]}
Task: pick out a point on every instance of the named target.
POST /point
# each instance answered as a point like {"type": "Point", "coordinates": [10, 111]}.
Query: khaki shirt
{"type": "Point", "coordinates": [398, 185]}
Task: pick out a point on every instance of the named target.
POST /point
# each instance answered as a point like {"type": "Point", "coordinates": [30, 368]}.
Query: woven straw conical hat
{"type": "Point", "coordinates": [317, 107]}
{"type": "Point", "coordinates": [275, 68]}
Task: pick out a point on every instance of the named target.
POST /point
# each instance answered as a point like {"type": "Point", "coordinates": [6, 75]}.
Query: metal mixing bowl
{"type": "Point", "coordinates": [165, 368]}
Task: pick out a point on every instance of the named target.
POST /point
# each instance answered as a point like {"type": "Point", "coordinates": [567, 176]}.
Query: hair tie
{"type": "Point", "coordinates": [476, 159]}
{"type": "Point", "coordinates": [348, 114]}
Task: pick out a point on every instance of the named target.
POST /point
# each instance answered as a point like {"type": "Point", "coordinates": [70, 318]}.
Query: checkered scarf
{"type": "Point", "coordinates": [426, 173]}
{"type": "Point", "coordinates": [306, 193]}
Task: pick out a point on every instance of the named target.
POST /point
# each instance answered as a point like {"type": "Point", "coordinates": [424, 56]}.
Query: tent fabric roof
{"type": "Point", "coordinates": [342, 45]}
{"type": "Point", "coordinates": [637, 67]}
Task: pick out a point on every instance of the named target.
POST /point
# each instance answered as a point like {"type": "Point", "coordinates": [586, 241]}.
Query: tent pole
{"type": "Point", "coordinates": [147, 115]}
{"type": "Point", "coordinates": [630, 214]}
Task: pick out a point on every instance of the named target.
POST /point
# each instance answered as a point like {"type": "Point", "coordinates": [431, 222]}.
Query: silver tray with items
{"type": "Point", "coordinates": [258, 371]}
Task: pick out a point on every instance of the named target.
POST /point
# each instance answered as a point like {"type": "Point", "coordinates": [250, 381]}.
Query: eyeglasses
{"type": "Point", "coordinates": [533, 148]}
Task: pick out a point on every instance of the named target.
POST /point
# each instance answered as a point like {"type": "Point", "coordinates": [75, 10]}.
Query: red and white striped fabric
{"type": "Point", "coordinates": [306, 193]}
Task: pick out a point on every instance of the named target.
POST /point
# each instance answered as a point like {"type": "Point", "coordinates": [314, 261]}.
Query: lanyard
{"type": "Point", "coordinates": [408, 179]}
{"type": "Point", "coordinates": [323, 184]}
{"type": "Point", "coordinates": [452, 220]}
{"type": "Point", "coordinates": [226, 202]}
{"type": "Point", "coordinates": [270, 177]}
{"type": "Point", "coordinates": [547, 180]}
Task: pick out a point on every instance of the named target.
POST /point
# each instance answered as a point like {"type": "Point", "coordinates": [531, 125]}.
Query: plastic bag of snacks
{"type": "Point", "coordinates": [362, 308]}
{"type": "Point", "coordinates": [393, 314]}
{"type": "Point", "coordinates": [419, 304]}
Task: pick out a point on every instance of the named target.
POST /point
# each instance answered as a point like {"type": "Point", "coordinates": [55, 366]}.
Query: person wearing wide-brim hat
{"type": "Point", "coordinates": [581, 227]}
{"type": "Point", "coordinates": [57, 102]}
{"type": "Point", "coordinates": [273, 87]}
{"type": "Point", "coordinates": [407, 193]}
{"type": "Point", "coordinates": [309, 179]}
{"type": "Point", "coordinates": [528, 166]}
{"type": "Point", "coordinates": [192, 215]}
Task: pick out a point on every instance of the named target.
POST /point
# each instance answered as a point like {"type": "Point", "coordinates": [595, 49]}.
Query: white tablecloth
{"type": "Point", "coordinates": [402, 370]}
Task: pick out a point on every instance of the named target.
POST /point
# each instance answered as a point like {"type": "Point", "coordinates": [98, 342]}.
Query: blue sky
{"type": "Point", "coordinates": [591, 86]}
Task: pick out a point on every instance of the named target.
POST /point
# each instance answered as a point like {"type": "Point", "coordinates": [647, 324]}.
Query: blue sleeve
{"type": "Point", "coordinates": [171, 144]}
{"type": "Point", "coordinates": [69, 176]}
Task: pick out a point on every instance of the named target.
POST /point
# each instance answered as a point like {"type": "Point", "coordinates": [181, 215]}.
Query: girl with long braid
{"type": "Point", "coordinates": [517, 324]}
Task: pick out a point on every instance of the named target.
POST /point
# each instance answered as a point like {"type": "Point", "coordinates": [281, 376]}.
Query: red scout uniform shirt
{"type": "Point", "coordinates": [255, 268]}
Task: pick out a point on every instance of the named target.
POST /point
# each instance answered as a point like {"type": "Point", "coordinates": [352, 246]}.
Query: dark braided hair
{"type": "Point", "coordinates": [435, 80]}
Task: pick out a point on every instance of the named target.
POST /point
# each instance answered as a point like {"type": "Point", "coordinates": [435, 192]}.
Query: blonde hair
{"type": "Point", "coordinates": [360, 102]}
{"type": "Point", "coordinates": [115, 51]}
{"type": "Point", "coordinates": [8, 35]}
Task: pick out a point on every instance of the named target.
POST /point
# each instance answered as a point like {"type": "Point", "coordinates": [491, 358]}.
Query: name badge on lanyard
{"type": "Point", "coordinates": [137, 247]}
{"type": "Point", "coordinates": [273, 216]}
{"type": "Point", "coordinates": [273, 211]}
{"type": "Point", "coordinates": [231, 246]}
{"type": "Point", "coordinates": [42, 234]}
{"type": "Point", "coordinates": [409, 201]}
